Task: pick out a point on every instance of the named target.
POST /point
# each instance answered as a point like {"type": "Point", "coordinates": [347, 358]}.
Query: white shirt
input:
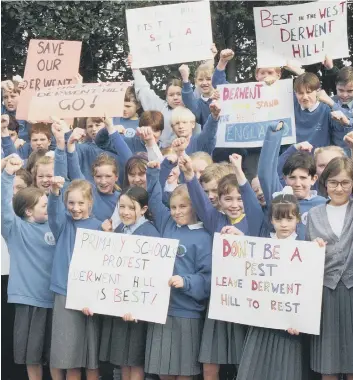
{"type": "Point", "coordinates": [336, 216]}
{"type": "Point", "coordinates": [293, 236]}
{"type": "Point", "coordinates": [311, 109]}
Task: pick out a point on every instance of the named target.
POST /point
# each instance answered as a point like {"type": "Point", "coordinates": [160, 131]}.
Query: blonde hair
{"type": "Point", "coordinates": [278, 70]}
{"type": "Point", "coordinates": [205, 69]}
{"type": "Point", "coordinates": [330, 148]}
{"type": "Point", "coordinates": [168, 150]}
{"type": "Point", "coordinates": [182, 114]}
{"type": "Point", "coordinates": [181, 191]}
{"type": "Point", "coordinates": [84, 186]}
{"type": "Point", "coordinates": [105, 159]}
{"type": "Point", "coordinates": [202, 156]}
{"type": "Point", "coordinates": [216, 172]}
{"type": "Point", "coordinates": [44, 160]}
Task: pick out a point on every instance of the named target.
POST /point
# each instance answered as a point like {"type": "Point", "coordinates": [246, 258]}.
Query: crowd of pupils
{"type": "Point", "coordinates": [157, 173]}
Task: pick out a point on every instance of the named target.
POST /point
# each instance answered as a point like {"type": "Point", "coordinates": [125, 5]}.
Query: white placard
{"type": "Point", "coordinates": [248, 108]}
{"type": "Point", "coordinates": [5, 258]}
{"type": "Point", "coordinates": [267, 282]}
{"type": "Point", "coordinates": [304, 33]}
{"type": "Point", "coordinates": [167, 34]}
{"type": "Point", "coordinates": [116, 274]}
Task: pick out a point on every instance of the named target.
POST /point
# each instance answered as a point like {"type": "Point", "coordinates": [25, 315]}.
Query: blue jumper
{"type": "Point", "coordinates": [129, 125]}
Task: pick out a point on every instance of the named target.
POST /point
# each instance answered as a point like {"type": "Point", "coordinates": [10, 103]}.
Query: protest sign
{"type": "Point", "coordinates": [303, 33]}
{"type": "Point", "coordinates": [247, 109]}
{"type": "Point", "coordinates": [167, 34]}
{"type": "Point", "coordinates": [79, 100]}
{"type": "Point", "coordinates": [49, 63]}
{"type": "Point", "coordinates": [116, 274]}
{"type": "Point", "coordinates": [267, 282]}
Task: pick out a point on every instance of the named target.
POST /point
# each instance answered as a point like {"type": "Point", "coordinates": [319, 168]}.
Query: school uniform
{"type": "Point", "coordinates": [173, 348]}
{"type": "Point", "coordinates": [347, 109]}
{"type": "Point", "coordinates": [130, 125]}
{"type": "Point", "coordinates": [332, 351]}
{"type": "Point", "coordinates": [124, 343]}
{"type": "Point", "coordinates": [75, 336]}
{"type": "Point", "coordinates": [31, 247]}
{"type": "Point", "coordinates": [24, 126]}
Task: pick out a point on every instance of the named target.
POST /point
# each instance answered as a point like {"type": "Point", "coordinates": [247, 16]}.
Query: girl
{"type": "Point", "coordinates": [31, 246]}
{"type": "Point", "coordinates": [43, 173]}
{"type": "Point", "coordinates": [75, 337]}
{"type": "Point", "coordinates": [332, 351]}
{"type": "Point", "coordinates": [123, 339]}
{"type": "Point", "coordinates": [172, 349]}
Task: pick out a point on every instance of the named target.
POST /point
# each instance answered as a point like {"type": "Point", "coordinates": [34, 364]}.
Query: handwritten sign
{"type": "Point", "coordinates": [49, 63]}
{"type": "Point", "coordinates": [167, 34]}
{"type": "Point", "coordinates": [267, 282]}
{"type": "Point", "coordinates": [248, 108]}
{"type": "Point", "coordinates": [304, 33]}
{"type": "Point", "coordinates": [115, 274]}
{"type": "Point", "coordinates": [79, 100]}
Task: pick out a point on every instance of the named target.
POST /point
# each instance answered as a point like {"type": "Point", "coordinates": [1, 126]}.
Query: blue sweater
{"type": "Point", "coordinates": [24, 126]}
{"type": "Point", "coordinates": [270, 181]}
{"type": "Point", "coordinates": [31, 247]}
{"type": "Point", "coordinates": [103, 204]}
{"type": "Point", "coordinates": [193, 260]}
{"type": "Point", "coordinates": [8, 147]}
{"type": "Point", "coordinates": [199, 107]}
{"type": "Point", "coordinates": [64, 230]}
{"type": "Point", "coordinates": [218, 78]}
{"type": "Point", "coordinates": [146, 229]}
{"type": "Point", "coordinates": [129, 125]}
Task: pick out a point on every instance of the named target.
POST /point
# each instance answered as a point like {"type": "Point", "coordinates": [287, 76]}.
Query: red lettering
{"type": "Point", "coordinates": [296, 254]}
{"type": "Point", "coordinates": [268, 18]}
{"type": "Point", "coordinates": [152, 37]}
{"type": "Point", "coordinates": [283, 37]}
{"type": "Point", "coordinates": [226, 248]}
{"type": "Point", "coordinates": [188, 31]}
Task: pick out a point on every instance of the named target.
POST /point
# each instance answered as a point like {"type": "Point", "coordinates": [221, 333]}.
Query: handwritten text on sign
{"type": "Point", "coordinates": [115, 274]}
{"type": "Point", "coordinates": [80, 100]}
{"type": "Point", "coordinates": [248, 108]}
{"type": "Point", "coordinates": [302, 32]}
{"type": "Point", "coordinates": [267, 282]}
{"type": "Point", "coordinates": [49, 63]}
{"type": "Point", "coordinates": [167, 34]}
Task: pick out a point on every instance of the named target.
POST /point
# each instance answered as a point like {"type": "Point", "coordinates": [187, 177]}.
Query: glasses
{"type": "Point", "coordinates": [332, 184]}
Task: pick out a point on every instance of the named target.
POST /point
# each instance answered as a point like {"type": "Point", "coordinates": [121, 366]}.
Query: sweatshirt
{"type": "Point", "coordinates": [129, 125]}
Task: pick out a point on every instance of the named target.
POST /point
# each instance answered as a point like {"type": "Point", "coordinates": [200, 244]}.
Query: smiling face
{"type": "Point", "coordinates": [137, 177]}
{"type": "Point", "coordinates": [339, 188]}
{"type": "Point", "coordinates": [174, 96]}
{"type": "Point", "coordinates": [38, 213]}
{"type": "Point", "coordinates": [231, 204]}
{"type": "Point", "coordinates": [11, 100]}
{"type": "Point", "coordinates": [130, 211]}
{"type": "Point", "coordinates": [77, 205]}
{"type": "Point", "coordinates": [93, 126]}
{"type": "Point", "coordinates": [39, 141]}
{"type": "Point", "coordinates": [300, 181]}
{"type": "Point", "coordinates": [105, 178]}
{"type": "Point", "coordinates": [181, 210]}
{"type": "Point", "coordinates": [204, 82]}
{"type": "Point", "coordinates": [345, 92]}
{"type": "Point", "coordinates": [255, 184]}
{"type": "Point", "coordinates": [45, 174]}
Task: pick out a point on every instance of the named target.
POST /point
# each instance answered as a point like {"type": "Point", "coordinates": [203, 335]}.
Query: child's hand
{"type": "Point", "coordinates": [5, 121]}
{"type": "Point", "coordinates": [278, 127]}
{"type": "Point", "coordinates": [154, 165]}
{"type": "Point", "coordinates": [107, 225]}
{"type": "Point", "coordinates": [185, 166]}
{"type": "Point", "coordinates": [57, 183]}
{"type": "Point", "coordinates": [58, 128]}
{"type": "Point", "coordinates": [231, 230]}
{"type": "Point", "coordinates": [145, 134]}
{"type": "Point", "coordinates": [215, 110]}
{"type": "Point", "coordinates": [76, 135]}
{"type": "Point", "coordinates": [340, 117]}
{"type": "Point", "coordinates": [226, 55]}
{"type": "Point", "coordinates": [22, 85]}
{"type": "Point", "coordinates": [87, 311]}
{"type": "Point", "coordinates": [348, 139]}
{"type": "Point", "coordinates": [214, 50]}
{"type": "Point", "coordinates": [172, 158]}
{"type": "Point", "coordinates": [215, 95]}
{"type": "Point", "coordinates": [18, 143]}
{"type": "Point", "coordinates": [321, 242]}
{"type": "Point", "coordinates": [176, 282]}
{"type": "Point", "coordinates": [291, 66]}
{"type": "Point", "coordinates": [77, 79]}
{"type": "Point", "coordinates": [129, 318]}
{"type": "Point", "coordinates": [322, 97]}
{"type": "Point", "coordinates": [269, 80]}
{"type": "Point", "coordinates": [7, 85]}
{"type": "Point", "coordinates": [184, 72]}
{"type": "Point", "coordinates": [304, 146]}
{"type": "Point", "coordinates": [174, 176]}
{"type": "Point", "coordinates": [129, 60]}
{"type": "Point", "coordinates": [328, 62]}
{"type": "Point", "coordinates": [293, 332]}
{"type": "Point", "coordinates": [236, 160]}
{"type": "Point", "coordinates": [179, 145]}
{"type": "Point", "coordinates": [13, 164]}
{"type": "Point", "coordinates": [120, 129]}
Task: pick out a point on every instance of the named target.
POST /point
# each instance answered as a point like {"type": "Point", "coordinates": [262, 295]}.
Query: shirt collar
{"type": "Point", "coordinates": [311, 109]}
{"type": "Point", "coordinates": [350, 104]}
{"type": "Point", "coordinates": [312, 194]}
{"type": "Point", "coordinates": [195, 226]}
{"type": "Point", "coordinates": [237, 220]}
{"type": "Point", "coordinates": [133, 227]}
{"type": "Point", "coordinates": [293, 236]}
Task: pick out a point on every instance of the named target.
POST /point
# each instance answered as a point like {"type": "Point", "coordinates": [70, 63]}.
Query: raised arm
{"type": "Point", "coordinates": [56, 208]}
{"type": "Point", "coordinates": [206, 140]}
{"type": "Point", "coordinates": [60, 158]}
{"type": "Point", "coordinates": [219, 75]}
{"type": "Point", "coordinates": [189, 99]}
{"type": "Point", "coordinates": [73, 163]}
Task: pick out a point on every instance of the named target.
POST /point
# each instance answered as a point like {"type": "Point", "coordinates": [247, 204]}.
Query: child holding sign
{"type": "Point", "coordinates": [172, 349]}
{"type": "Point", "coordinates": [332, 350]}
{"type": "Point", "coordinates": [124, 339]}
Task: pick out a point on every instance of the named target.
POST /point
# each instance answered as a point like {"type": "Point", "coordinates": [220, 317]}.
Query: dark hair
{"type": "Point", "coordinates": [139, 161]}
{"type": "Point", "coordinates": [227, 184]}
{"type": "Point", "coordinates": [333, 168]}
{"type": "Point", "coordinates": [173, 82]}
{"type": "Point", "coordinates": [82, 121]}
{"type": "Point", "coordinates": [41, 128]}
{"type": "Point", "coordinates": [25, 176]}
{"type": "Point", "coordinates": [33, 158]}
{"type": "Point", "coordinates": [139, 195]}
{"type": "Point", "coordinates": [284, 206]}
{"type": "Point", "coordinates": [13, 124]}
{"type": "Point", "coordinates": [130, 96]}
{"type": "Point", "coordinates": [345, 75]}
{"type": "Point", "coordinates": [26, 199]}
{"type": "Point", "coordinates": [300, 160]}
{"type": "Point", "coordinates": [307, 80]}
{"type": "Point", "coordinates": [153, 119]}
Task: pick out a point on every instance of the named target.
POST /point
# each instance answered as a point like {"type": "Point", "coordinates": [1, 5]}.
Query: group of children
{"type": "Point", "coordinates": [151, 173]}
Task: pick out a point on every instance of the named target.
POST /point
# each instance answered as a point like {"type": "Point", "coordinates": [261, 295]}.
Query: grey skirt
{"type": "Point", "coordinates": [32, 333]}
{"type": "Point", "coordinates": [271, 355]}
{"type": "Point", "coordinates": [123, 343]}
{"type": "Point", "coordinates": [222, 342]}
{"type": "Point", "coordinates": [173, 348]}
{"type": "Point", "coordinates": [332, 350]}
{"type": "Point", "coordinates": [75, 338]}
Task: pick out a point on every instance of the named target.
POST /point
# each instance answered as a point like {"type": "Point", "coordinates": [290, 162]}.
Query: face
{"type": "Point", "coordinates": [18, 184]}
{"type": "Point", "coordinates": [39, 212]}
{"type": "Point", "coordinates": [184, 128]}
{"type": "Point", "coordinates": [322, 159]}
{"type": "Point", "coordinates": [45, 174]}
{"type": "Point", "coordinates": [204, 82]}
{"type": "Point", "coordinates": [181, 210]}
{"type": "Point", "coordinates": [255, 184]}
{"type": "Point", "coordinates": [39, 141]}
{"type": "Point", "coordinates": [174, 96]}
{"type": "Point", "coordinates": [137, 178]}
{"type": "Point", "coordinates": [211, 189]}
{"type": "Point", "coordinates": [13, 135]}
{"type": "Point", "coordinates": [306, 98]}
{"type": "Point", "coordinates": [93, 127]}
{"type": "Point", "coordinates": [77, 205]}
{"type": "Point", "coordinates": [130, 109]}
{"type": "Point", "coordinates": [339, 188]}
{"type": "Point", "coordinates": [199, 166]}
{"type": "Point", "coordinates": [284, 227]}
{"type": "Point", "coordinates": [105, 178]}
{"type": "Point", "coordinates": [174, 175]}
{"type": "Point", "coordinates": [129, 210]}
{"type": "Point", "coordinates": [345, 92]}
{"type": "Point", "coordinates": [300, 181]}
{"type": "Point", "coordinates": [265, 72]}
{"type": "Point", "coordinates": [231, 204]}
{"type": "Point", "coordinates": [11, 100]}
